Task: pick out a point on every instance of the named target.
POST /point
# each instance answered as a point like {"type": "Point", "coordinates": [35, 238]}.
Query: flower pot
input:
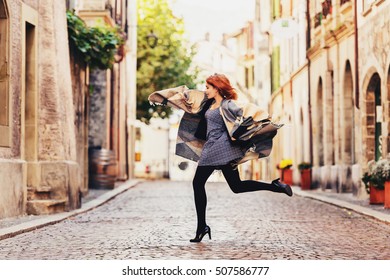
{"type": "Point", "coordinates": [387, 194]}
{"type": "Point", "coordinates": [306, 179]}
{"type": "Point", "coordinates": [286, 176]}
{"type": "Point", "coordinates": [376, 196]}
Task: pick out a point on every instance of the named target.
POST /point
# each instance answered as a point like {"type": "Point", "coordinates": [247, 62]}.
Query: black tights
{"type": "Point", "coordinates": [233, 179]}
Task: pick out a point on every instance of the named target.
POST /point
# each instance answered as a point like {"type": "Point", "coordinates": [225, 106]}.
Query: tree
{"type": "Point", "coordinates": [165, 65]}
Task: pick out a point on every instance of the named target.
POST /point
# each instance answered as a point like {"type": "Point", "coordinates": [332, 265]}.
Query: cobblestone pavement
{"type": "Point", "coordinates": [156, 219]}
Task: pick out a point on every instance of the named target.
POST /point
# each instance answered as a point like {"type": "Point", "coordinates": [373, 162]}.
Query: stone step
{"type": "Point", "coordinates": [39, 193]}
{"type": "Point", "coordinates": [46, 206]}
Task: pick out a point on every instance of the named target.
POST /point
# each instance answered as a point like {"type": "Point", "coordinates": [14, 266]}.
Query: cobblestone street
{"type": "Point", "coordinates": [156, 219]}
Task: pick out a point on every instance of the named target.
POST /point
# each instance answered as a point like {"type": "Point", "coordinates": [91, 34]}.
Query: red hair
{"type": "Point", "coordinates": [222, 84]}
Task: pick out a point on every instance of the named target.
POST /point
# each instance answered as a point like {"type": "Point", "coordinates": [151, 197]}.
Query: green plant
{"type": "Point", "coordinates": [284, 164]}
{"type": "Point", "coordinates": [378, 172]}
{"type": "Point", "coordinates": [304, 165]}
{"type": "Point", "coordinates": [96, 45]}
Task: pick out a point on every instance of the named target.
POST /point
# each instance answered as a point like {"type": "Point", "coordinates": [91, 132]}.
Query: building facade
{"type": "Point", "coordinates": [44, 107]}
{"type": "Point", "coordinates": [38, 166]}
{"type": "Point", "coordinates": [334, 100]}
{"type": "Point", "coordinates": [111, 104]}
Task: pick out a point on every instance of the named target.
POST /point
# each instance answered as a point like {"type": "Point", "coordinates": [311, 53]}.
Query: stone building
{"type": "Point", "coordinates": [350, 95]}
{"type": "Point", "coordinates": [333, 102]}
{"type": "Point", "coordinates": [337, 101]}
{"type": "Point", "coordinates": [44, 106]}
{"type": "Point", "coordinates": [109, 108]}
{"type": "Point", "coordinates": [39, 172]}
{"type": "Point", "coordinates": [373, 26]}
{"type": "Point", "coordinates": [281, 31]}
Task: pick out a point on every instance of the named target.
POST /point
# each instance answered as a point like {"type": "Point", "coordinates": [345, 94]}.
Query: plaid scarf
{"type": "Point", "coordinates": [247, 124]}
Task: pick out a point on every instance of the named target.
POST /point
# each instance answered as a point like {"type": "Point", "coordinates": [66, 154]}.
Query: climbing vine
{"type": "Point", "coordinates": [96, 45]}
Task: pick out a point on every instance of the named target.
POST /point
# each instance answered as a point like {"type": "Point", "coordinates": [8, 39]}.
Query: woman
{"type": "Point", "coordinates": [219, 153]}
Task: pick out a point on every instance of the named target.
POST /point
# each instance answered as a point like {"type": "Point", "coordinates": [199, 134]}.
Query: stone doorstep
{"type": "Point", "coordinates": [46, 206]}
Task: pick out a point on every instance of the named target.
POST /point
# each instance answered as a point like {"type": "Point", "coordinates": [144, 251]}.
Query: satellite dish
{"type": "Point", "coordinates": [284, 28]}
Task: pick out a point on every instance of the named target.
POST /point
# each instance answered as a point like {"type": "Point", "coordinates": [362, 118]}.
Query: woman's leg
{"type": "Point", "coordinates": [232, 177]}
{"type": "Point", "coordinates": [201, 175]}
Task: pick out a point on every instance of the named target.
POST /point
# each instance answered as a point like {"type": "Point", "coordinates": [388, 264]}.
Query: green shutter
{"type": "Point", "coordinates": [275, 65]}
{"type": "Point", "coordinates": [276, 8]}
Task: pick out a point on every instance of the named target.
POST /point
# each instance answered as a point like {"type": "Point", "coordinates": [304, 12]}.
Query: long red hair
{"type": "Point", "coordinates": [222, 84]}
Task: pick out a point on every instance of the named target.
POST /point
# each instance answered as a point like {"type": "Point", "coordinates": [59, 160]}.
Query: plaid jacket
{"type": "Point", "coordinates": [247, 124]}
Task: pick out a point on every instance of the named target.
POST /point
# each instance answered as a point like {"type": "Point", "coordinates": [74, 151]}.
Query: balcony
{"type": "Point", "coordinates": [92, 5]}
{"type": "Point", "coordinates": [326, 11]}
{"type": "Point", "coordinates": [342, 2]}
{"type": "Point", "coordinates": [93, 11]}
{"type": "Point", "coordinates": [326, 8]}
{"type": "Point", "coordinates": [318, 19]}
{"type": "Point", "coordinates": [346, 9]}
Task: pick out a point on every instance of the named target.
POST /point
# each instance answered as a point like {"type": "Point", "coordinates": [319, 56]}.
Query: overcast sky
{"type": "Point", "coordinates": [214, 16]}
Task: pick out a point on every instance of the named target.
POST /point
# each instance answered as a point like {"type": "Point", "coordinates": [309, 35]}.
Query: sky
{"type": "Point", "coordinates": [214, 16]}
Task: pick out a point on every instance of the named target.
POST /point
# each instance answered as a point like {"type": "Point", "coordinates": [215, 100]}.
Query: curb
{"type": "Point", "coordinates": [55, 218]}
{"type": "Point", "coordinates": [344, 204]}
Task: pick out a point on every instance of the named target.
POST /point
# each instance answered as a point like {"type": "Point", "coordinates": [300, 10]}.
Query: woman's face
{"type": "Point", "coordinates": [211, 91]}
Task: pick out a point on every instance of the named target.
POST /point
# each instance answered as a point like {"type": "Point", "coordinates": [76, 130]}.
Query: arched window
{"type": "Point", "coordinates": [4, 74]}
{"type": "Point", "coordinates": [348, 118]}
{"type": "Point", "coordinates": [320, 124]}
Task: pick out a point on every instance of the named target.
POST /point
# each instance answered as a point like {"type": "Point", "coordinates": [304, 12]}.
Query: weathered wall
{"type": "Point", "coordinates": [13, 187]}
{"type": "Point", "coordinates": [80, 99]}
{"type": "Point", "coordinates": [374, 56]}
{"type": "Point", "coordinates": [50, 182]}
{"type": "Point", "coordinates": [98, 110]}
{"type": "Point", "coordinates": [52, 129]}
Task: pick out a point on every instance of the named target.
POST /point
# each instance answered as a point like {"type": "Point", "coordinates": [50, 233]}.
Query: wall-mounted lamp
{"type": "Point", "coordinates": [151, 39]}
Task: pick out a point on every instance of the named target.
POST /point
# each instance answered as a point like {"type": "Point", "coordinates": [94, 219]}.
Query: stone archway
{"type": "Point", "coordinates": [372, 121]}
{"type": "Point", "coordinates": [347, 117]}
{"type": "Point", "coordinates": [347, 133]}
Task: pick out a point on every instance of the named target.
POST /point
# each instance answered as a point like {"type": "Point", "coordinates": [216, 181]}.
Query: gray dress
{"type": "Point", "coordinates": [218, 149]}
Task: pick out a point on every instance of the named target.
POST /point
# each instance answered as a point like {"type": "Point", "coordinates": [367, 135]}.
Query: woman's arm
{"type": "Point", "coordinates": [180, 97]}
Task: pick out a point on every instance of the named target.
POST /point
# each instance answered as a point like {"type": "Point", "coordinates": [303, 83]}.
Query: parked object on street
{"type": "Point", "coordinates": [305, 171]}
{"type": "Point", "coordinates": [103, 169]}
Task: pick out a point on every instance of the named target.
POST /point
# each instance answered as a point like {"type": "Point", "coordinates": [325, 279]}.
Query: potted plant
{"type": "Point", "coordinates": [305, 170]}
{"type": "Point", "coordinates": [383, 170]}
{"type": "Point", "coordinates": [375, 178]}
{"type": "Point", "coordinates": [285, 171]}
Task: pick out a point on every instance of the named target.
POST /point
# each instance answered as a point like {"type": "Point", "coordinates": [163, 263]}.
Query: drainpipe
{"type": "Point", "coordinates": [308, 40]}
{"type": "Point", "coordinates": [356, 57]}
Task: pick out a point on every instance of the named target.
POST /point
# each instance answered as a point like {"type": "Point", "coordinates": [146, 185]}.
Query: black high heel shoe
{"type": "Point", "coordinates": [199, 236]}
{"type": "Point", "coordinates": [284, 187]}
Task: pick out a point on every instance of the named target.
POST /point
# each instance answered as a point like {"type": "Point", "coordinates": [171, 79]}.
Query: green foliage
{"type": "Point", "coordinates": [304, 165]}
{"type": "Point", "coordinates": [96, 45]}
{"type": "Point", "coordinates": [378, 173]}
{"type": "Point", "coordinates": [168, 63]}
